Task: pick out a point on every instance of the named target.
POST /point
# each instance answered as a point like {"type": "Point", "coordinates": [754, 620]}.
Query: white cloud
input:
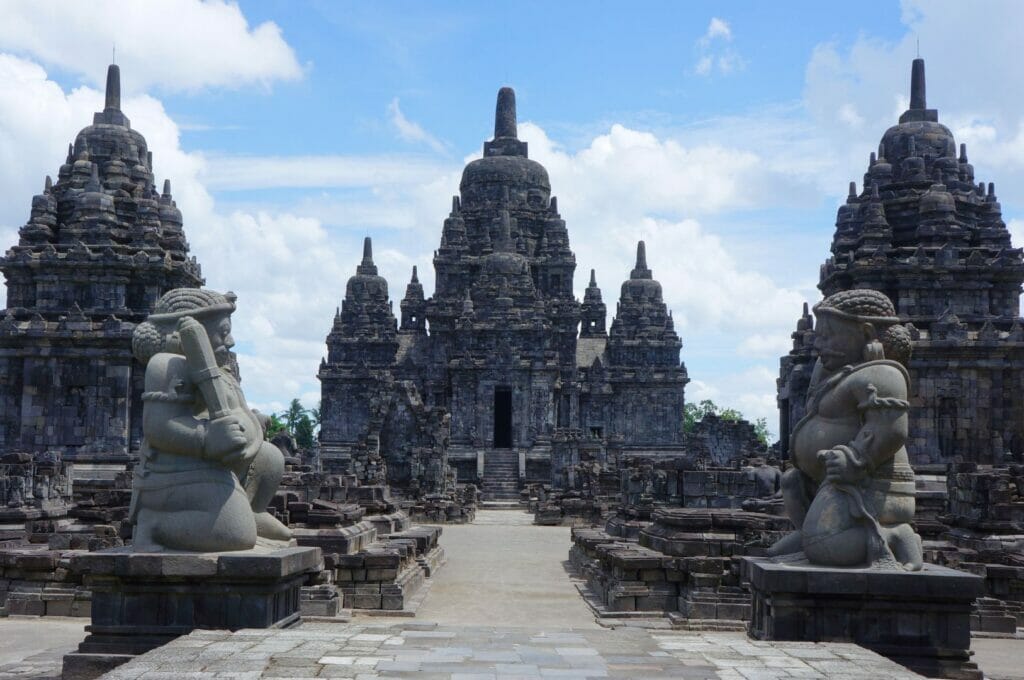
{"type": "Point", "coordinates": [179, 45]}
{"type": "Point", "coordinates": [717, 28]}
{"type": "Point", "coordinates": [284, 270]}
{"type": "Point", "coordinates": [411, 131]}
{"type": "Point", "coordinates": [977, 88]}
{"type": "Point", "coordinates": [1016, 228]}
{"type": "Point", "coordinates": [750, 391]}
{"type": "Point", "coordinates": [713, 52]}
{"type": "Point", "coordinates": [226, 173]}
{"type": "Point", "coordinates": [765, 345]}
{"type": "Point", "coordinates": [848, 114]}
{"type": "Point", "coordinates": [289, 268]}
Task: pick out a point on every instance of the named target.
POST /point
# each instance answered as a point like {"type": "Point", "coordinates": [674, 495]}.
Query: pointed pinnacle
{"type": "Point", "coordinates": [917, 85]}
{"type": "Point", "coordinates": [593, 279]}
{"type": "Point", "coordinates": [113, 100]}
{"type": "Point", "coordinates": [368, 250]}
{"type": "Point", "coordinates": [505, 114]}
{"type": "Point", "coordinates": [415, 279]}
{"type": "Point", "coordinates": [167, 188]}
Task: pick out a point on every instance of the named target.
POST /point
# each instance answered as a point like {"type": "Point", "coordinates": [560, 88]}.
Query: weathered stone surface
{"type": "Point", "coordinates": [504, 388]}
{"type": "Point", "coordinates": [850, 494]}
{"type": "Point", "coordinates": [925, 232]}
{"type": "Point", "coordinates": [101, 246]}
{"type": "Point", "coordinates": [144, 600]}
{"type": "Point", "coordinates": [34, 487]}
{"type": "Point", "coordinates": [206, 473]}
{"type": "Point", "coordinates": [920, 620]}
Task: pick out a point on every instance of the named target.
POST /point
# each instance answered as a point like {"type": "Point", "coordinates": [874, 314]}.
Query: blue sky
{"type": "Point", "coordinates": [722, 133]}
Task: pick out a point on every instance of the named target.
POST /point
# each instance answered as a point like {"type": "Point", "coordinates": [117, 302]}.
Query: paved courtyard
{"type": "Point", "coordinates": [428, 652]}
{"type": "Point", "coordinates": [503, 607]}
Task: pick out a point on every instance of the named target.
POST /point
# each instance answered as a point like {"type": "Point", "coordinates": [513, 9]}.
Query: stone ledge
{"type": "Point", "coordinates": [918, 619]}
{"type": "Point", "coordinates": [247, 565]}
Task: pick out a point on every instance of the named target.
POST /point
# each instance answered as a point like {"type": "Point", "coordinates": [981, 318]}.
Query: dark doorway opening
{"type": "Point", "coordinates": [502, 418]}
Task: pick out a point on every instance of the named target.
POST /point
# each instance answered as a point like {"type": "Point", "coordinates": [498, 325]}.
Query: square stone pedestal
{"type": "Point", "coordinates": [141, 601]}
{"type": "Point", "coordinates": [918, 619]}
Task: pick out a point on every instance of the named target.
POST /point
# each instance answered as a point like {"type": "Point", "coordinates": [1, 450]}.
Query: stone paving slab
{"type": "Point", "coordinates": [427, 652]}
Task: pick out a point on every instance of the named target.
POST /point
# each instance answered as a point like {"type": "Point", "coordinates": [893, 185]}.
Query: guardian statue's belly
{"type": "Point", "coordinates": [818, 433]}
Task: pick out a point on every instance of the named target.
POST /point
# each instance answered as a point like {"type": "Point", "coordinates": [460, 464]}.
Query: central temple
{"type": "Point", "coordinates": [525, 391]}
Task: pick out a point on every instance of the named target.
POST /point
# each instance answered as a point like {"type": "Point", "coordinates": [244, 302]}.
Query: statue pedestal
{"type": "Point", "coordinates": [918, 619]}
{"type": "Point", "coordinates": [143, 600]}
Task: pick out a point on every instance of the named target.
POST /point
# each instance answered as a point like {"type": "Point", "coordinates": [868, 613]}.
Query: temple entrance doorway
{"type": "Point", "coordinates": [502, 418]}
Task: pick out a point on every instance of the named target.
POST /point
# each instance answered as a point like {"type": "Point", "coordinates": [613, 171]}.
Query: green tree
{"type": "Point", "coordinates": [303, 432]}
{"type": "Point", "coordinates": [761, 430]}
{"type": "Point", "coordinates": [275, 425]}
{"type": "Point", "coordinates": [314, 414]}
{"type": "Point", "coordinates": [694, 413]}
{"type": "Point", "coordinates": [293, 415]}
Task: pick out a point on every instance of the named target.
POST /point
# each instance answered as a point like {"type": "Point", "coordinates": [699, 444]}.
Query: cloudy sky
{"type": "Point", "coordinates": [724, 134]}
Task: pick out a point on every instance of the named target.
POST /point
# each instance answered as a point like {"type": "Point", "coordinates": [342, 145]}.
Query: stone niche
{"type": "Point", "coordinates": [33, 488]}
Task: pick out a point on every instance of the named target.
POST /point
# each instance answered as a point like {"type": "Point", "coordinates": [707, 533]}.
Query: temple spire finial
{"type": "Point", "coordinates": [113, 97]}
{"type": "Point", "coordinates": [415, 278]}
{"type": "Point", "coordinates": [593, 278]}
{"type": "Point", "coordinates": [367, 267]}
{"type": "Point", "coordinates": [505, 114]}
{"type": "Point", "coordinates": [640, 271]}
{"type": "Point", "coordinates": [918, 99]}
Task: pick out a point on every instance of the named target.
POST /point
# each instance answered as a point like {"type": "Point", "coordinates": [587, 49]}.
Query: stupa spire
{"type": "Point", "coordinates": [917, 85]}
{"type": "Point", "coordinates": [506, 140]}
{"type": "Point", "coordinates": [111, 113]}
{"type": "Point", "coordinates": [113, 98]}
{"type": "Point", "coordinates": [505, 114]}
{"type": "Point", "coordinates": [367, 266]}
{"type": "Point", "coordinates": [640, 271]}
{"type": "Point", "coordinates": [918, 110]}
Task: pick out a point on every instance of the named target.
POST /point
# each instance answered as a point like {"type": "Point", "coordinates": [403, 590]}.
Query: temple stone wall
{"type": "Point", "coordinates": [101, 245]}
{"type": "Point", "coordinates": [511, 356]}
{"type": "Point", "coordinates": [724, 443]}
{"type": "Point", "coordinates": [926, 232]}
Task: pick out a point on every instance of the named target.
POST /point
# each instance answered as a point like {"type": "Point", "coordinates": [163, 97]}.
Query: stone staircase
{"type": "Point", "coordinates": [501, 475]}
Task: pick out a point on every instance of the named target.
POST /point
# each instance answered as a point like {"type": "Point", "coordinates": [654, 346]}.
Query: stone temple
{"type": "Point", "coordinates": [498, 349]}
{"type": "Point", "coordinates": [101, 246]}
{"type": "Point", "coordinates": [931, 236]}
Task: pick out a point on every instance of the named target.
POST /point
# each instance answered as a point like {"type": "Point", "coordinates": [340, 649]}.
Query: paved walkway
{"type": "Point", "coordinates": [33, 647]}
{"type": "Point", "coordinates": [507, 576]}
{"type": "Point", "coordinates": [503, 607]}
{"type": "Point", "coordinates": [418, 651]}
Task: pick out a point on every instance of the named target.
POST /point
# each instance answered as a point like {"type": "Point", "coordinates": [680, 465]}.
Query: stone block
{"type": "Point", "coordinates": [143, 600]}
{"type": "Point", "coordinates": [918, 619]}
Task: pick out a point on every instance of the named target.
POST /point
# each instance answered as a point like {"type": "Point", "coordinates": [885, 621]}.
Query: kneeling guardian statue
{"type": "Point", "coordinates": [206, 473]}
{"type": "Point", "coordinates": [850, 493]}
